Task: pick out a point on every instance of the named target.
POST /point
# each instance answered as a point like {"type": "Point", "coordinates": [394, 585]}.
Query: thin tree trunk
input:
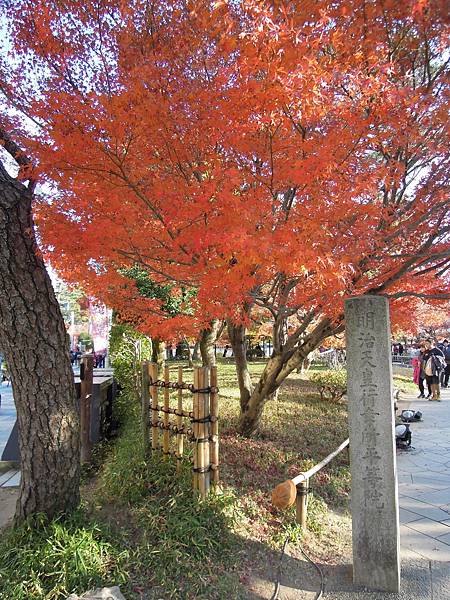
{"type": "Point", "coordinates": [278, 367]}
{"type": "Point", "coordinates": [189, 358]}
{"type": "Point", "coordinates": [196, 351]}
{"type": "Point", "coordinates": [236, 333]}
{"type": "Point", "coordinates": [208, 337]}
{"type": "Point", "coordinates": [158, 355]}
{"type": "Point", "coordinates": [34, 340]}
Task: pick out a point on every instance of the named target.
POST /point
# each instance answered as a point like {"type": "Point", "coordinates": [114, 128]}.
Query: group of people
{"type": "Point", "coordinates": [432, 366]}
{"type": "Point", "coordinates": [99, 357]}
{"type": "Point", "coordinates": [398, 349]}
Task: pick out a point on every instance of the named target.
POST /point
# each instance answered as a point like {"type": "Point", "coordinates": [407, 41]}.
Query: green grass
{"type": "Point", "coordinates": [405, 384]}
{"type": "Point", "coordinates": [50, 560]}
{"type": "Point", "coordinates": [183, 547]}
{"type": "Point", "coordinates": [145, 530]}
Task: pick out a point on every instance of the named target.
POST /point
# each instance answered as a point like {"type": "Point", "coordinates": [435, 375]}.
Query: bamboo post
{"type": "Point", "coordinates": [195, 404]}
{"type": "Point", "coordinates": [155, 408]}
{"type": "Point", "coordinates": [180, 421]}
{"type": "Point", "coordinates": [145, 405]}
{"type": "Point", "coordinates": [203, 462]}
{"type": "Point", "coordinates": [166, 434]}
{"type": "Point", "coordinates": [214, 443]}
{"type": "Point", "coordinates": [86, 382]}
{"type": "Point", "coordinates": [302, 503]}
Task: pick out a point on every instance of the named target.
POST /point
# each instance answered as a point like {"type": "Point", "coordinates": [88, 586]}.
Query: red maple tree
{"type": "Point", "coordinates": [281, 155]}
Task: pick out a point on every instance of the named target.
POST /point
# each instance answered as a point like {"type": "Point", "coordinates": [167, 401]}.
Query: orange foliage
{"type": "Point", "coordinates": [279, 154]}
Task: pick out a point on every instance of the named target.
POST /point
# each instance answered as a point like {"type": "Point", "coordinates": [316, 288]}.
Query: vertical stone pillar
{"type": "Point", "coordinates": [374, 498]}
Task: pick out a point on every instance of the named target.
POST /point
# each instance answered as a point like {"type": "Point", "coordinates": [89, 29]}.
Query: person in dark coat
{"type": "Point", "coordinates": [446, 351]}
{"type": "Point", "coordinates": [434, 361]}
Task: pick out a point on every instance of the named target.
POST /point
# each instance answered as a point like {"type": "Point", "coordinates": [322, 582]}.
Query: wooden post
{"type": "Point", "coordinates": [145, 405]}
{"type": "Point", "coordinates": [214, 443]}
{"type": "Point", "coordinates": [302, 503]}
{"type": "Point", "coordinates": [195, 404]}
{"type": "Point", "coordinates": [86, 381]}
{"type": "Point", "coordinates": [166, 434]}
{"type": "Point", "coordinates": [180, 421]}
{"type": "Point", "coordinates": [202, 441]}
{"type": "Point", "coordinates": [155, 411]}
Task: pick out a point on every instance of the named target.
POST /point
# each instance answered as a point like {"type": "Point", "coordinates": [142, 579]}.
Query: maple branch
{"type": "Point", "coordinates": [163, 274]}
{"type": "Point", "coordinates": [411, 263]}
{"type": "Point", "coordinates": [443, 296]}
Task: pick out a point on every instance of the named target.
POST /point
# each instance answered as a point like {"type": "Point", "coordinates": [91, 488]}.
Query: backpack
{"type": "Point", "coordinates": [439, 362]}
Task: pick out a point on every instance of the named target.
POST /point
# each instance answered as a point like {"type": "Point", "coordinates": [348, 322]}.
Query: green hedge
{"type": "Point", "coordinates": [332, 384]}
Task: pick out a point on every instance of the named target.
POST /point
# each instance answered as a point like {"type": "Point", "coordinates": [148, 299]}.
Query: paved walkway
{"type": "Point", "coordinates": [424, 484]}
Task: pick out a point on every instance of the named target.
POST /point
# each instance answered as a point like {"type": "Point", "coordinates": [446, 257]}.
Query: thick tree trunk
{"type": "Point", "coordinates": [208, 337]}
{"type": "Point", "coordinates": [278, 367]}
{"type": "Point", "coordinates": [34, 340]}
{"type": "Point", "coordinates": [236, 333]}
{"type": "Point", "coordinates": [158, 355]}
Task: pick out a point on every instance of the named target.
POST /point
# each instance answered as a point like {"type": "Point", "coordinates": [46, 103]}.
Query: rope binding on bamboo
{"type": "Point", "coordinates": [201, 425]}
{"type": "Point", "coordinates": [175, 385]}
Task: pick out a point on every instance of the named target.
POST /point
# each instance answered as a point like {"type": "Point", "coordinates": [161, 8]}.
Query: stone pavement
{"type": "Point", "coordinates": [424, 484]}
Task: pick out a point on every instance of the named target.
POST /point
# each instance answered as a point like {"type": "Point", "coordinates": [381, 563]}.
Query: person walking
{"type": "Point", "coordinates": [434, 363]}
{"type": "Point", "coordinates": [419, 373]}
{"type": "Point", "coordinates": [446, 352]}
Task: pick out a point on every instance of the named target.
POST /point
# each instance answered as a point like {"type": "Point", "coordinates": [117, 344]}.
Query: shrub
{"type": "Point", "coordinates": [128, 348]}
{"type": "Point", "coordinates": [332, 384]}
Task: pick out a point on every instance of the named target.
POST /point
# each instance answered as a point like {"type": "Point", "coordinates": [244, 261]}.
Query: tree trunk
{"type": "Point", "coordinates": [208, 337]}
{"type": "Point", "coordinates": [158, 355]}
{"type": "Point", "coordinates": [196, 351]}
{"type": "Point", "coordinates": [236, 333]}
{"type": "Point", "coordinates": [190, 360]}
{"type": "Point", "coordinates": [251, 412]}
{"type": "Point", "coordinates": [278, 367]}
{"type": "Point", "coordinates": [34, 340]}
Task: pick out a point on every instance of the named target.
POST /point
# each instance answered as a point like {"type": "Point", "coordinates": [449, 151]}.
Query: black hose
{"type": "Point", "coordinates": [280, 565]}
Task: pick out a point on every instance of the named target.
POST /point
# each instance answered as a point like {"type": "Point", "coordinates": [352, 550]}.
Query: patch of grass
{"type": "Point", "coordinates": [405, 384]}
{"type": "Point", "coordinates": [50, 559]}
{"type": "Point", "coordinates": [183, 546]}
{"type": "Point", "coordinates": [160, 541]}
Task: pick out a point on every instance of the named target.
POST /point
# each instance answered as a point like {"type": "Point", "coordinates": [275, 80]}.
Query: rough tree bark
{"type": "Point", "coordinates": [285, 359]}
{"type": "Point", "coordinates": [208, 337]}
{"type": "Point", "coordinates": [34, 340]}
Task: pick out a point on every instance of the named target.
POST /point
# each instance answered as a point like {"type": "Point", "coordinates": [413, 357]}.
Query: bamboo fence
{"type": "Point", "coordinates": [197, 424]}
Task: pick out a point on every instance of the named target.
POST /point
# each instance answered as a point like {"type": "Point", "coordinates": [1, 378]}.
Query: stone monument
{"type": "Point", "coordinates": [374, 498]}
